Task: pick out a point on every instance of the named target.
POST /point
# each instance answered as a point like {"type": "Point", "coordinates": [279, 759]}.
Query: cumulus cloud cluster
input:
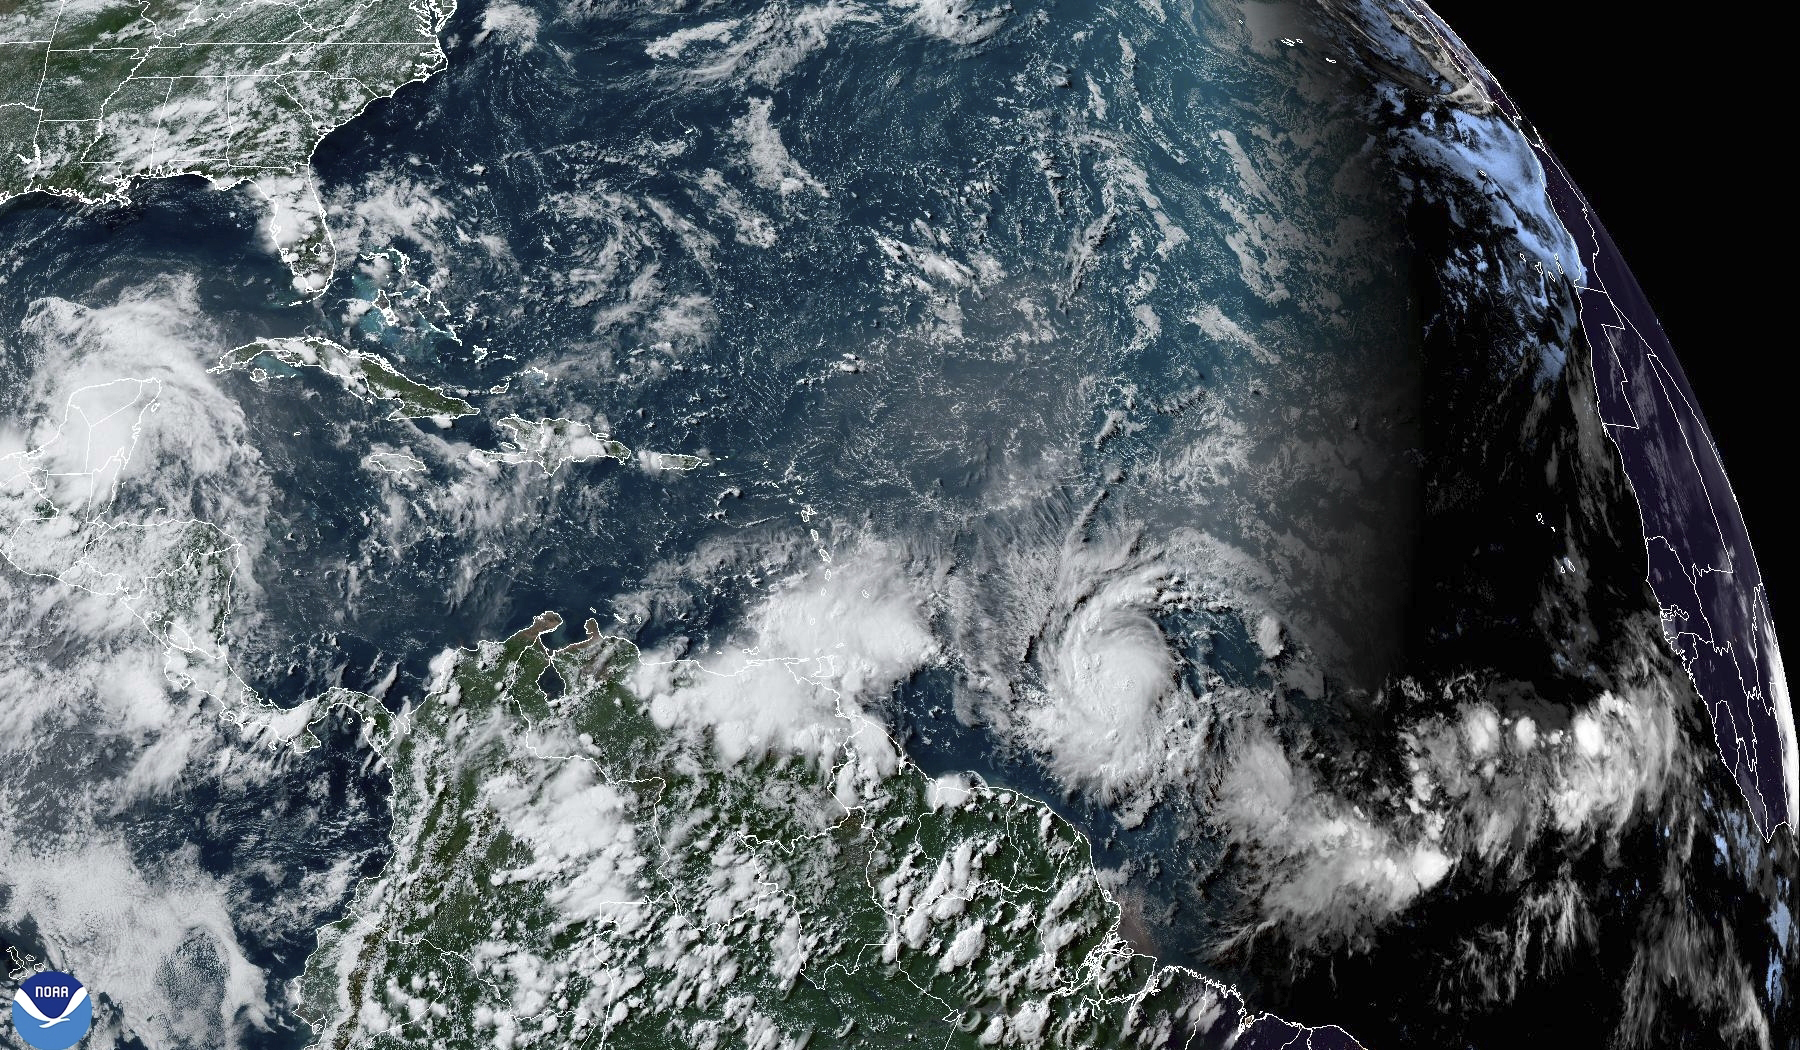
{"type": "Point", "coordinates": [131, 499]}
{"type": "Point", "coordinates": [119, 407]}
{"type": "Point", "coordinates": [799, 677]}
{"type": "Point", "coordinates": [1116, 697]}
{"type": "Point", "coordinates": [1114, 688]}
{"type": "Point", "coordinates": [1329, 860]}
{"type": "Point", "coordinates": [128, 484]}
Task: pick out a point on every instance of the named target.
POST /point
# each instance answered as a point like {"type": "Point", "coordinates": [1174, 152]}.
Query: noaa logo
{"type": "Point", "coordinates": [51, 1011]}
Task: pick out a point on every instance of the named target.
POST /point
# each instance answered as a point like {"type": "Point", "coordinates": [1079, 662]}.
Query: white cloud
{"type": "Point", "coordinates": [950, 790]}
{"type": "Point", "coordinates": [1328, 867]}
{"type": "Point", "coordinates": [129, 380]}
{"type": "Point", "coordinates": [1784, 724]}
{"type": "Point", "coordinates": [1112, 718]}
{"type": "Point", "coordinates": [767, 157]}
{"type": "Point", "coordinates": [953, 20]}
{"type": "Point", "coordinates": [131, 915]}
{"type": "Point", "coordinates": [134, 478]}
{"type": "Point", "coordinates": [157, 939]}
{"type": "Point", "coordinates": [1323, 870]}
{"type": "Point", "coordinates": [380, 212]}
{"type": "Point", "coordinates": [672, 46]}
{"type": "Point", "coordinates": [797, 679]}
{"type": "Point", "coordinates": [510, 22]}
{"type": "Point", "coordinates": [582, 837]}
{"type": "Point", "coordinates": [1481, 728]}
{"type": "Point", "coordinates": [131, 495]}
{"type": "Point", "coordinates": [761, 50]}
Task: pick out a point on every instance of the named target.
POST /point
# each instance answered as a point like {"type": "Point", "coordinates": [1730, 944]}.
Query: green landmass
{"type": "Point", "coordinates": [675, 462]}
{"type": "Point", "coordinates": [364, 375]}
{"type": "Point", "coordinates": [549, 443]}
{"type": "Point", "coordinates": [399, 464]}
{"type": "Point", "coordinates": [96, 93]}
{"type": "Point", "coordinates": [568, 872]}
{"type": "Point", "coordinates": [176, 576]}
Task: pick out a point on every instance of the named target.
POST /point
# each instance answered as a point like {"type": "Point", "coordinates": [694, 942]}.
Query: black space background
{"type": "Point", "coordinates": [1677, 136]}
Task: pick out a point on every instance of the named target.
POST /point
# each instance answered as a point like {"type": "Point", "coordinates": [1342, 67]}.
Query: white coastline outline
{"type": "Point", "coordinates": [1477, 74]}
